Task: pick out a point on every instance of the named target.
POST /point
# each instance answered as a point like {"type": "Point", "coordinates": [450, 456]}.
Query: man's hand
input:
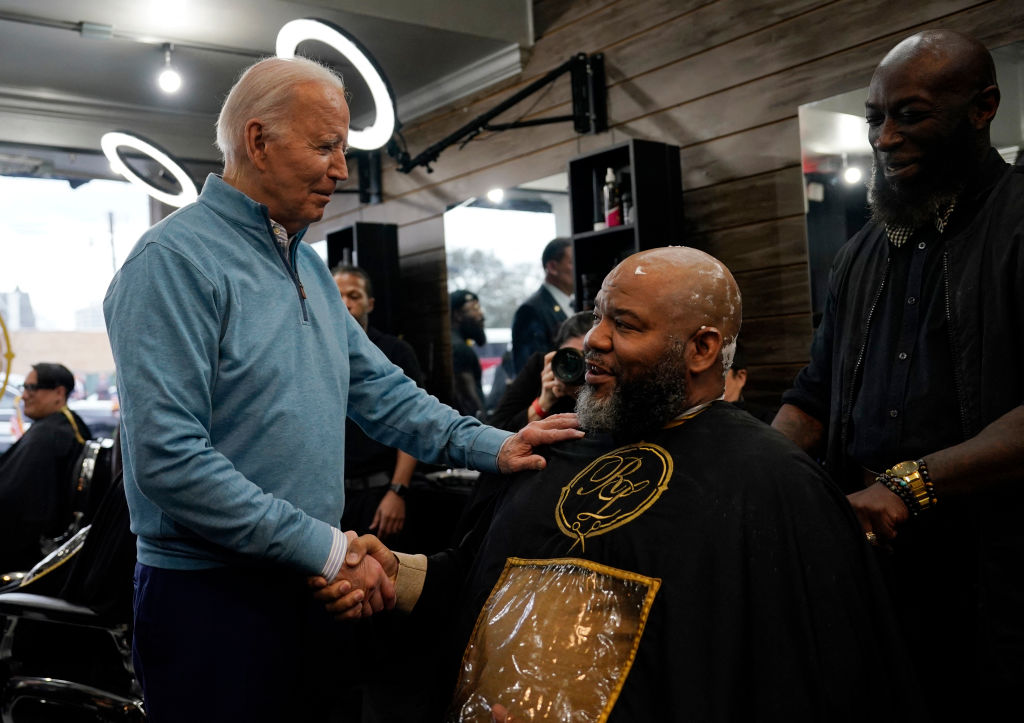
{"type": "Point", "coordinates": [389, 519]}
{"type": "Point", "coordinates": [365, 584]}
{"type": "Point", "coordinates": [516, 453]}
{"type": "Point", "coordinates": [551, 387]}
{"type": "Point", "coordinates": [879, 510]}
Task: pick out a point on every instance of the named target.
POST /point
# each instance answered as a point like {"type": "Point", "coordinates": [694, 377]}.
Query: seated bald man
{"type": "Point", "coordinates": [682, 562]}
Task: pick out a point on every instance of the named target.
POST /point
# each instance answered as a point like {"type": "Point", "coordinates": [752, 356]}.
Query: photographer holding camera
{"type": "Point", "coordinates": [549, 382]}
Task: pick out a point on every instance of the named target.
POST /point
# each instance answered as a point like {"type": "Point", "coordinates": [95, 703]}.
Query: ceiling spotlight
{"type": "Point", "coordinates": [852, 175]}
{"type": "Point", "coordinates": [169, 79]}
{"type": "Point", "coordinates": [296, 31]}
{"type": "Point", "coordinates": [496, 195]}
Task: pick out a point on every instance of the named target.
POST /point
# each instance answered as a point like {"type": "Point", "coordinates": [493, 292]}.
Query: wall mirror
{"type": "Point", "coordinates": [493, 246]}
{"type": "Point", "coordinates": [837, 163]}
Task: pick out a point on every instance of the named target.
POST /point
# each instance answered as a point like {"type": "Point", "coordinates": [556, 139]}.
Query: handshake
{"type": "Point", "coordinates": [364, 585]}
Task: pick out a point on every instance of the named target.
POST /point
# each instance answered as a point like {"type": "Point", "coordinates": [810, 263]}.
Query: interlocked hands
{"type": "Point", "coordinates": [364, 585]}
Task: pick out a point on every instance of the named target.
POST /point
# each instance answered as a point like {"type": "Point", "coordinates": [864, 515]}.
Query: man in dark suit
{"type": "Point", "coordinates": [537, 319]}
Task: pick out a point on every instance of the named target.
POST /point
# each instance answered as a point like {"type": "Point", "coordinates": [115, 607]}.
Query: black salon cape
{"type": "Point", "coordinates": [35, 488]}
{"type": "Point", "coordinates": [771, 607]}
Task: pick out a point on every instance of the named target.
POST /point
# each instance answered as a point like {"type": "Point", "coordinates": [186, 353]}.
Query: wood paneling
{"type": "Point", "coordinates": [765, 383]}
{"type": "Point", "coordinates": [723, 80]}
{"type": "Point", "coordinates": [774, 291]}
{"type": "Point", "coordinates": [778, 242]}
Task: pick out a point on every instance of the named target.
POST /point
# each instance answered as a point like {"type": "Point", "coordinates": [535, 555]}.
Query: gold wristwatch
{"type": "Point", "coordinates": [913, 475]}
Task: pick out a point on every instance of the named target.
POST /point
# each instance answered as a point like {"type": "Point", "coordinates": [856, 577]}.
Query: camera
{"type": "Point", "coordinates": [568, 366]}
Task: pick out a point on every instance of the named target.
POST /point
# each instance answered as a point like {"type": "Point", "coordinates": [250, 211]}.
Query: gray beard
{"type": "Point", "coordinates": [636, 407]}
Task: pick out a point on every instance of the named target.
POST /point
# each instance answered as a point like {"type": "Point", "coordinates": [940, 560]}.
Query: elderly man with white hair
{"type": "Point", "coordinates": [237, 365]}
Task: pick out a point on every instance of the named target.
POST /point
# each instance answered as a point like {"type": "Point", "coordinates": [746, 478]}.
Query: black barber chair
{"type": "Point", "coordinates": [93, 475]}
{"type": "Point", "coordinates": [65, 654]}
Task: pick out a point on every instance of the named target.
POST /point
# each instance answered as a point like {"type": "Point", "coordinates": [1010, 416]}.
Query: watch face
{"type": "Point", "coordinates": [904, 468]}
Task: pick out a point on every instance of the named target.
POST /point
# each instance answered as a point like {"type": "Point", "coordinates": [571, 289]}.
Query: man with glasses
{"type": "Point", "coordinates": [35, 473]}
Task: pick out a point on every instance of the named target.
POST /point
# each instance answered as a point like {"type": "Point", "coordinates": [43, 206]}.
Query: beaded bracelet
{"type": "Point", "coordinates": [899, 488]}
{"type": "Point", "coordinates": [914, 502]}
{"type": "Point", "coordinates": [922, 468]}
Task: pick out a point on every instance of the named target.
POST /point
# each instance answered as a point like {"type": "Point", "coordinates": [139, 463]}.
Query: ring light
{"type": "Point", "coordinates": [113, 140]}
{"type": "Point", "coordinates": [296, 31]}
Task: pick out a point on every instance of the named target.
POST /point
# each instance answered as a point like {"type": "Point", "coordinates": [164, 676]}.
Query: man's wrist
{"type": "Point", "coordinates": [911, 482]}
{"type": "Point", "coordinates": [409, 580]}
{"type": "Point", "coordinates": [399, 489]}
{"type": "Point", "coordinates": [336, 556]}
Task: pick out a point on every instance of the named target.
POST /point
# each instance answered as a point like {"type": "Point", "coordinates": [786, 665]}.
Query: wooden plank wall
{"type": "Point", "coordinates": [721, 79]}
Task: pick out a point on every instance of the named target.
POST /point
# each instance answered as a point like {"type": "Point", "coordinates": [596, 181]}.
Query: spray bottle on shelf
{"type": "Point", "coordinates": [612, 200]}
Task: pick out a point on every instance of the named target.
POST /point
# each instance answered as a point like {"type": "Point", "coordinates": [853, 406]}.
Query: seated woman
{"type": "Point", "coordinates": [536, 392]}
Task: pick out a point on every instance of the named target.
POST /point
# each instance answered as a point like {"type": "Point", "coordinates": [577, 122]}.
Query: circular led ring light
{"type": "Point", "coordinates": [296, 31]}
{"type": "Point", "coordinates": [113, 140]}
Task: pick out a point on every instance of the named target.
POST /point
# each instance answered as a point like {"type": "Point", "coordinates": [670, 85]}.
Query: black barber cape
{"type": "Point", "coordinates": [768, 605]}
{"type": "Point", "coordinates": [35, 488]}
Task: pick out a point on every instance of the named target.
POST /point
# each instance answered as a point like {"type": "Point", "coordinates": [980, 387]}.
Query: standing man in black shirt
{"type": "Point", "coordinates": [377, 477]}
{"type": "Point", "coordinates": [913, 393]}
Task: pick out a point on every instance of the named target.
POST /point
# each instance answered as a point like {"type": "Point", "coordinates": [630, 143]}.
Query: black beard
{"type": "Point", "coordinates": [470, 329]}
{"type": "Point", "coordinates": [637, 407]}
{"type": "Point", "coordinates": [916, 203]}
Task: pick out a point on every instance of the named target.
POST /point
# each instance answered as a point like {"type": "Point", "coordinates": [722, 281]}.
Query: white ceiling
{"type": "Point", "coordinates": [71, 70]}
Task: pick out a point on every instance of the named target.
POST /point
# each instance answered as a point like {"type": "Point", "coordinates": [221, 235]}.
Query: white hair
{"type": "Point", "coordinates": [264, 91]}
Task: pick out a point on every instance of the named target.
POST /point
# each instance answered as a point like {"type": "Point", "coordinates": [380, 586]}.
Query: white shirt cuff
{"type": "Point", "coordinates": [336, 558]}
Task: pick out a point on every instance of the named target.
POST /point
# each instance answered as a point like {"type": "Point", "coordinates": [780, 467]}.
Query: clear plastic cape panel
{"type": "Point", "coordinates": [554, 642]}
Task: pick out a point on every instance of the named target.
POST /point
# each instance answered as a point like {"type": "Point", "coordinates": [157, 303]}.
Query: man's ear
{"type": "Point", "coordinates": [256, 143]}
{"type": "Point", "coordinates": [369, 305]}
{"type": "Point", "coordinates": [704, 349]}
{"type": "Point", "coordinates": [984, 107]}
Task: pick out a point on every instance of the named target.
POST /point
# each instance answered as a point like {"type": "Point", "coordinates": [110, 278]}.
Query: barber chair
{"type": "Point", "coordinates": [92, 477]}
{"type": "Point", "coordinates": [30, 694]}
{"type": "Point", "coordinates": [65, 654]}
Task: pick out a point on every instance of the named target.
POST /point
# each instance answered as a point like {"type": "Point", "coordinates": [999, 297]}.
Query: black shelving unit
{"type": "Point", "coordinates": [648, 174]}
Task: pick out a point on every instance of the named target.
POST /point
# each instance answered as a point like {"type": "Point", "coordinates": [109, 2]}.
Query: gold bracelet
{"type": "Point", "coordinates": [912, 477]}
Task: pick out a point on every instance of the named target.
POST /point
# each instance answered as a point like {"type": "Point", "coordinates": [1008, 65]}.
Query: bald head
{"type": "Point", "coordinates": [689, 287]}
{"type": "Point", "coordinates": [665, 327]}
{"type": "Point", "coordinates": [930, 104]}
{"type": "Point", "coordinates": [958, 60]}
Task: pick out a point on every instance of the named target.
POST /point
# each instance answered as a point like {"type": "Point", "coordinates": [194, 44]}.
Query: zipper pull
{"type": "Point", "coordinates": [302, 290]}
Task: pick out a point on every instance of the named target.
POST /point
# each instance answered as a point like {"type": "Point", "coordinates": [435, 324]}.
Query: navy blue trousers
{"type": "Point", "coordinates": [234, 644]}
